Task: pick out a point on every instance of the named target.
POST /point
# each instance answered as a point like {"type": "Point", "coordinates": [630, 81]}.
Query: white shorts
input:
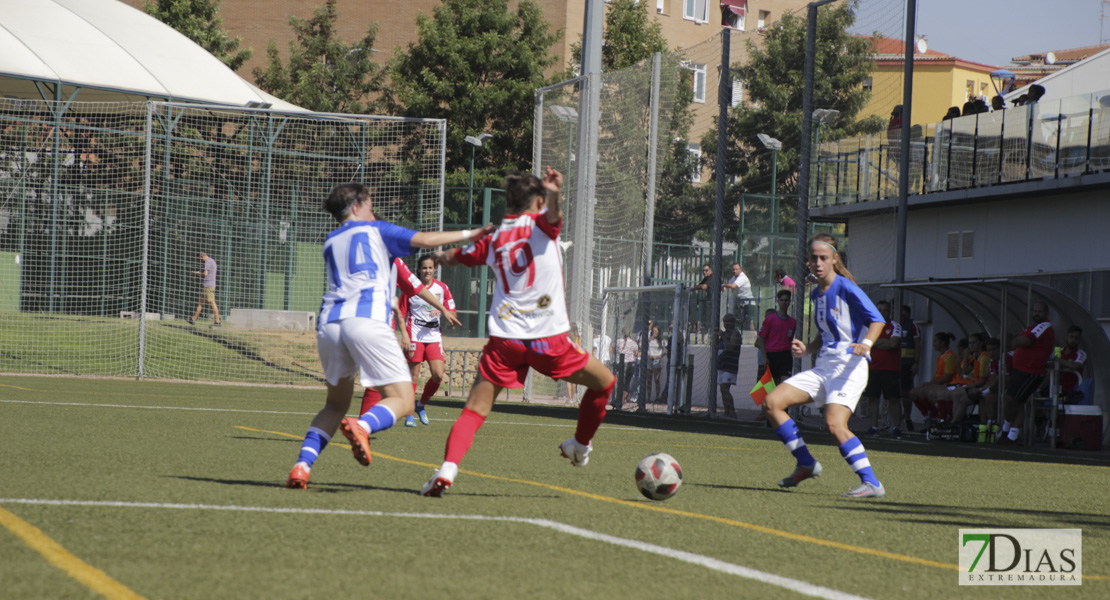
{"type": "Point", "coordinates": [359, 343]}
{"type": "Point", "coordinates": [835, 379]}
{"type": "Point", "coordinates": [724, 377]}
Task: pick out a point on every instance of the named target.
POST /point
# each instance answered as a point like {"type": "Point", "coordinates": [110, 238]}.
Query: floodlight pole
{"type": "Point", "coordinates": [806, 151]}
{"type": "Point", "coordinates": [904, 165]}
{"type": "Point", "coordinates": [586, 154]}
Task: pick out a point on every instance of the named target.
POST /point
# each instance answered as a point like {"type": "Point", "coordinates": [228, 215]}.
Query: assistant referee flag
{"type": "Point", "coordinates": [763, 387]}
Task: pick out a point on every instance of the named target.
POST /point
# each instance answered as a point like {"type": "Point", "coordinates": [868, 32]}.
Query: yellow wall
{"type": "Point", "coordinates": [936, 88]}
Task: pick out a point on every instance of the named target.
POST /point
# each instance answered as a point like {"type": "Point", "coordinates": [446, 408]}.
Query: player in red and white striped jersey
{"type": "Point", "coordinates": [528, 321]}
{"type": "Point", "coordinates": [423, 328]}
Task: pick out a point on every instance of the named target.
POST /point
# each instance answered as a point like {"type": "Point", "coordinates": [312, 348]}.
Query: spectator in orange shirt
{"type": "Point", "coordinates": [924, 396]}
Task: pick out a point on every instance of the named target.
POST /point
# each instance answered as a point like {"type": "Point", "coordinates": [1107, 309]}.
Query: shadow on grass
{"type": "Point", "coordinates": [774, 490]}
{"type": "Point", "coordinates": [939, 514]}
{"type": "Point", "coordinates": [813, 434]}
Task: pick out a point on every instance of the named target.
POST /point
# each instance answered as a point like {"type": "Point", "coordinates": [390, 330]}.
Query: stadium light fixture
{"type": "Point", "coordinates": [565, 114]}
{"type": "Point", "coordinates": [824, 116]}
{"type": "Point", "coordinates": [774, 146]}
{"type": "Point", "coordinates": [475, 142]}
{"type": "Point", "coordinates": [769, 142]}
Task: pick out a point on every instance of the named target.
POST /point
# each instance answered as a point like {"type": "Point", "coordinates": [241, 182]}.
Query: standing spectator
{"type": "Point", "coordinates": [1032, 349]}
{"type": "Point", "coordinates": [728, 363]}
{"type": "Point", "coordinates": [1071, 357]}
{"type": "Point", "coordinates": [208, 288]}
{"type": "Point", "coordinates": [884, 375]}
{"type": "Point", "coordinates": [912, 351]}
{"type": "Point", "coordinates": [743, 298]}
{"type": "Point", "coordinates": [784, 281]}
{"type": "Point", "coordinates": [603, 347]}
{"type": "Point", "coordinates": [707, 276]}
{"type": "Point", "coordinates": [528, 322]}
{"type": "Point", "coordinates": [655, 363]}
{"type": "Point", "coordinates": [774, 338]}
{"type": "Point", "coordinates": [353, 326]}
{"type": "Point", "coordinates": [630, 350]}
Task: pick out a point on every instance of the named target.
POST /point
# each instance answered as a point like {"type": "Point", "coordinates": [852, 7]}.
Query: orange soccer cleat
{"type": "Point", "coordinates": [298, 477]}
{"type": "Point", "coordinates": [360, 440]}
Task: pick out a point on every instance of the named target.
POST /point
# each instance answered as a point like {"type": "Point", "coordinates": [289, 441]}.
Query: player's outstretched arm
{"type": "Point", "coordinates": [433, 239]}
{"type": "Point", "coordinates": [446, 258]}
{"type": "Point", "coordinates": [553, 183]}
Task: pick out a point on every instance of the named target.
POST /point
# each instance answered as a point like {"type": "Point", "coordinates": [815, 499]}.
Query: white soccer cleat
{"type": "Point", "coordinates": [578, 454]}
{"type": "Point", "coordinates": [443, 478]}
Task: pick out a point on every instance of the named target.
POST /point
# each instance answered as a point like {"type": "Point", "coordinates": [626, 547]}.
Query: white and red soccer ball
{"type": "Point", "coordinates": [658, 476]}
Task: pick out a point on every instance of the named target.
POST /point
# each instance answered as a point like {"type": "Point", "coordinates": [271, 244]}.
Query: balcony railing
{"type": "Point", "coordinates": [1054, 139]}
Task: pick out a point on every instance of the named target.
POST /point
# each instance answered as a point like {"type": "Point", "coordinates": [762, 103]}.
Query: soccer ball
{"type": "Point", "coordinates": [658, 476]}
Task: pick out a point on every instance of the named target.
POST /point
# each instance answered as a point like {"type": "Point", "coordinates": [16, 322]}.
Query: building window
{"type": "Point", "coordinates": [695, 156]}
{"type": "Point", "coordinates": [696, 10]}
{"type": "Point", "coordinates": [868, 84]}
{"type": "Point", "coordinates": [699, 81]}
{"type": "Point", "coordinates": [737, 93]}
{"type": "Point", "coordinates": [961, 244]}
{"type": "Point", "coordinates": [764, 16]}
{"type": "Point", "coordinates": [662, 7]}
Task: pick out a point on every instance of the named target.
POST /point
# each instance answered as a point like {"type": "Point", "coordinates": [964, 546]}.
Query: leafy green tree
{"type": "Point", "coordinates": [773, 82]}
{"type": "Point", "coordinates": [324, 73]}
{"type": "Point", "coordinates": [477, 65]}
{"type": "Point", "coordinates": [198, 20]}
{"type": "Point", "coordinates": [631, 35]}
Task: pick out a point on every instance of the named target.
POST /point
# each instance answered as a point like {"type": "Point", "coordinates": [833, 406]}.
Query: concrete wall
{"type": "Point", "coordinates": [1010, 237]}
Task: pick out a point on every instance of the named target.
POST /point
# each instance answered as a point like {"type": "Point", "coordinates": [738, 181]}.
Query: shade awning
{"type": "Point", "coordinates": [737, 7]}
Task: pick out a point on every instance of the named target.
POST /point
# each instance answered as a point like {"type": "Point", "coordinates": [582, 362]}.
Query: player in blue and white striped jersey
{"type": "Point", "coordinates": [848, 324]}
{"type": "Point", "coordinates": [353, 330]}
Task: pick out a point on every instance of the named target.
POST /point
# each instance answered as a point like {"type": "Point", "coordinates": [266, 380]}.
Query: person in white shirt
{"type": "Point", "coordinates": [630, 350]}
{"type": "Point", "coordinates": [353, 330]}
{"type": "Point", "coordinates": [605, 353]}
{"type": "Point", "coordinates": [742, 298]}
{"type": "Point", "coordinates": [528, 322]}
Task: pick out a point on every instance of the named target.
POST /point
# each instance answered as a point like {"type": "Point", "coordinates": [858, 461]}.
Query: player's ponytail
{"type": "Point", "coordinates": [838, 266]}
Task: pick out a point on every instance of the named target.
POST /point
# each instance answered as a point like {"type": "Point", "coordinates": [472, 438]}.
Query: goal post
{"type": "Point", "coordinates": [652, 320]}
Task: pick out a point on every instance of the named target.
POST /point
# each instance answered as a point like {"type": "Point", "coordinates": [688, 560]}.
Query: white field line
{"type": "Point", "coordinates": [280, 412]}
{"type": "Point", "coordinates": [801, 587]}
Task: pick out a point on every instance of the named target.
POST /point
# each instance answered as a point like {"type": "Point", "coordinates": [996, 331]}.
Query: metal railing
{"type": "Point", "coordinates": [1045, 140]}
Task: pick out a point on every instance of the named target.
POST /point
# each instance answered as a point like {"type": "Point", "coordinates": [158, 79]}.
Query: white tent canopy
{"type": "Point", "coordinates": [111, 52]}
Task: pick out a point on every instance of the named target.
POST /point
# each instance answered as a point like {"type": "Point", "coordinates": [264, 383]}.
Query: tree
{"type": "Point", "coordinates": [477, 65]}
{"type": "Point", "coordinates": [773, 81]}
{"type": "Point", "coordinates": [198, 21]}
{"type": "Point", "coordinates": [631, 35]}
{"type": "Point", "coordinates": [324, 73]}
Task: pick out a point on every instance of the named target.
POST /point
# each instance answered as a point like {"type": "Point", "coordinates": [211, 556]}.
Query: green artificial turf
{"type": "Point", "coordinates": [196, 493]}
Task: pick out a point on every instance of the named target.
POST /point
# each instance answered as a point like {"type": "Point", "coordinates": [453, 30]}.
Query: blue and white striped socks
{"type": "Point", "coordinates": [314, 442]}
{"type": "Point", "coordinates": [379, 417]}
{"type": "Point", "coordinates": [788, 434]}
{"type": "Point", "coordinates": [853, 453]}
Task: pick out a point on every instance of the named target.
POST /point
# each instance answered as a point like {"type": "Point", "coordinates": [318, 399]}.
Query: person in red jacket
{"type": "Point", "coordinates": [1032, 349]}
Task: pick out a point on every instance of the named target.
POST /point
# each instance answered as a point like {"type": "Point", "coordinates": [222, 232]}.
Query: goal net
{"type": "Point", "coordinates": [104, 209]}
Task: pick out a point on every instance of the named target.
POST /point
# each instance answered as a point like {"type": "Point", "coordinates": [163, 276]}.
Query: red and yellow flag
{"type": "Point", "coordinates": [763, 387]}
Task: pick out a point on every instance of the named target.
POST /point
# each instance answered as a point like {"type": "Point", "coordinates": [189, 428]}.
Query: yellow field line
{"type": "Point", "coordinates": [16, 387]}
{"type": "Point", "coordinates": [665, 510]}
{"type": "Point", "coordinates": [90, 576]}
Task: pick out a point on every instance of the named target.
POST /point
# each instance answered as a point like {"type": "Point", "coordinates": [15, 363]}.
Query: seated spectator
{"type": "Point", "coordinates": [970, 392]}
{"type": "Point", "coordinates": [924, 396]}
{"type": "Point", "coordinates": [1071, 357]}
{"type": "Point", "coordinates": [1036, 91]}
{"type": "Point", "coordinates": [998, 103]}
{"type": "Point", "coordinates": [968, 109]}
{"type": "Point", "coordinates": [953, 113]}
